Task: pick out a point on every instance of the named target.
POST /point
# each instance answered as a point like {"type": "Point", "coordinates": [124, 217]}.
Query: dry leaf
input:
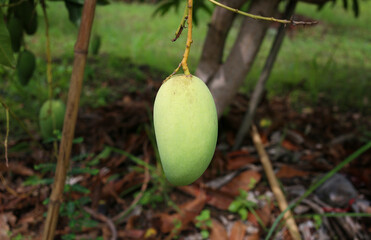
{"type": "Point", "coordinates": [238, 231]}
{"type": "Point", "coordinates": [188, 212]}
{"type": "Point", "coordinates": [289, 145]}
{"type": "Point", "coordinates": [290, 172]}
{"type": "Point", "coordinates": [241, 181]}
{"type": "Point", "coordinates": [218, 232]}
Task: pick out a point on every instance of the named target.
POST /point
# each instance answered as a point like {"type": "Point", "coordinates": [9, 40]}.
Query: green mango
{"type": "Point", "coordinates": [27, 14]}
{"type": "Point", "coordinates": [51, 117]}
{"type": "Point", "coordinates": [95, 44]}
{"type": "Point", "coordinates": [26, 65]}
{"type": "Point", "coordinates": [16, 33]}
{"type": "Point", "coordinates": [186, 128]}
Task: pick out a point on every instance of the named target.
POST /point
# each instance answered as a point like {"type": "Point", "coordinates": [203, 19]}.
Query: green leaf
{"type": "Point", "coordinates": [6, 53]}
{"type": "Point", "coordinates": [243, 213]}
{"type": "Point", "coordinates": [74, 11]}
{"type": "Point", "coordinates": [204, 234]}
{"type": "Point", "coordinates": [234, 206]}
{"type": "Point", "coordinates": [76, 171]}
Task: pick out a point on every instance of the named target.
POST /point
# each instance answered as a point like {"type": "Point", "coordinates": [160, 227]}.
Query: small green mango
{"type": "Point", "coordinates": [186, 128]}
{"type": "Point", "coordinates": [26, 64]}
{"type": "Point", "coordinates": [27, 13]}
{"type": "Point", "coordinates": [51, 117]}
{"type": "Point", "coordinates": [15, 32]}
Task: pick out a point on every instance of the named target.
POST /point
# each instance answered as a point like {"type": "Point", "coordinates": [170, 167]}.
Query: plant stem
{"type": "Point", "coordinates": [21, 124]}
{"type": "Point", "coordinates": [257, 17]}
{"type": "Point", "coordinates": [183, 63]}
{"type": "Point", "coordinates": [49, 75]}
{"type": "Point", "coordinates": [315, 185]}
{"type": "Point", "coordinates": [81, 49]}
{"type": "Point", "coordinates": [263, 78]}
{"type": "Point", "coordinates": [189, 38]}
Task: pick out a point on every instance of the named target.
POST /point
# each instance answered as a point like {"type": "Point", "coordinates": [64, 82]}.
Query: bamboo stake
{"type": "Point", "coordinates": [70, 117]}
{"type": "Point", "coordinates": [264, 76]}
{"type": "Point", "coordinates": [282, 203]}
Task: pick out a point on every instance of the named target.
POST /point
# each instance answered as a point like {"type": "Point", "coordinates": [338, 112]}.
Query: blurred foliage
{"type": "Point", "coordinates": [166, 5]}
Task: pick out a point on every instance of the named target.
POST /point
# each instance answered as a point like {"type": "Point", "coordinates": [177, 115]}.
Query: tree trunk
{"type": "Point", "coordinates": [230, 75]}
{"type": "Point", "coordinates": [212, 52]}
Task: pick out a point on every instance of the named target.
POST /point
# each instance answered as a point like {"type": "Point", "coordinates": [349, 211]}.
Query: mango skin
{"type": "Point", "coordinates": [186, 128]}
{"type": "Point", "coordinates": [48, 118]}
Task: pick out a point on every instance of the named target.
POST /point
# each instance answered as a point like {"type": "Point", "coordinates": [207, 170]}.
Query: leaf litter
{"type": "Point", "coordinates": [302, 145]}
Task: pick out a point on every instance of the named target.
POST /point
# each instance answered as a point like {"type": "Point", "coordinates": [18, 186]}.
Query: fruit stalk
{"type": "Point", "coordinates": [189, 38]}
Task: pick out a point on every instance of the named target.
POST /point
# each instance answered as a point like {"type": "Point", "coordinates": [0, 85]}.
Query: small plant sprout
{"type": "Point", "coordinates": [204, 223]}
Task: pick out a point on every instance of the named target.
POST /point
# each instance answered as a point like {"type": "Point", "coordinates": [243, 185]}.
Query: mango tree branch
{"type": "Point", "coordinates": [181, 25]}
{"type": "Point", "coordinates": [261, 17]}
{"type": "Point", "coordinates": [74, 93]}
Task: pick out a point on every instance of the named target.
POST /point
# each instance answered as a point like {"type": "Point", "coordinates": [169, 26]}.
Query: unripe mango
{"type": "Point", "coordinates": [186, 128]}
{"type": "Point", "coordinates": [51, 117]}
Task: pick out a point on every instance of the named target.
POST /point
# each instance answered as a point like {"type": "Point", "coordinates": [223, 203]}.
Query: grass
{"type": "Point", "coordinates": [328, 63]}
{"type": "Point", "coordinates": [325, 64]}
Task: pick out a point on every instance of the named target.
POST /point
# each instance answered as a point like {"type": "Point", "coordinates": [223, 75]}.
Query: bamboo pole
{"type": "Point", "coordinates": [282, 203]}
{"type": "Point", "coordinates": [70, 117]}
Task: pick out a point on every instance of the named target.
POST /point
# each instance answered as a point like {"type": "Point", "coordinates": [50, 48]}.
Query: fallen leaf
{"type": "Point", "coordinates": [289, 145]}
{"type": "Point", "coordinates": [218, 232]}
{"type": "Point", "coordinates": [241, 181]}
{"type": "Point", "coordinates": [188, 212]}
{"type": "Point", "coordinates": [263, 213]}
{"type": "Point", "coordinates": [131, 234]}
{"type": "Point", "coordinates": [238, 231]}
{"type": "Point", "coordinates": [214, 198]}
{"type": "Point", "coordinates": [253, 236]}
{"type": "Point", "coordinates": [6, 219]}
{"type": "Point", "coordinates": [238, 159]}
{"type": "Point", "coordinates": [290, 172]}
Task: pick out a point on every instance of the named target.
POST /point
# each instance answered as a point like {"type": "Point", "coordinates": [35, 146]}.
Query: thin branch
{"type": "Point", "coordinates": [183, 63]}
{"type": "Point", "coordinates": [49, 75]}
{"type": "Point", "coordinates": [12, 4]}
{"type": "Point", "coordinates": [105, 219]}
{"type": "Point", "coordinates": [282, 203]}
{"type": "Point", "coordinates": [263, 78]}
{"type": "Point", "coordinates": [257, 17]}
{"type": "Point", "coordinates": [181, 25]}
{"type": "Point", "coordinates": [119, 218]}
{"type": "Point", "coordinates": [6, 137]}
{"type": "Point", "coordinates": [21, 124]}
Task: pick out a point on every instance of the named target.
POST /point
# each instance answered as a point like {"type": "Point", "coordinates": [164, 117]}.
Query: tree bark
{"type": "Point", "coordinates": [212, 53]}
{"type": "Point", "coordinates": [260, 85]}
{"type": "Point", "coordinates": [230, 75]}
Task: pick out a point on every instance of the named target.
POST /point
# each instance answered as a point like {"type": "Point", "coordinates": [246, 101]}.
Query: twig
{"type": "Point", "coordinates": [12, 4]}
{"type": "Point", "coordinates": [21, 124]}
{"type": "Point", "coordinates": [260, 85]}
{"type": "Point", "coordinates": [74, 93]}
{"type": "Point", "coordinates": [49, 73]}
{"type": "Point", "coordinates": [183, 63]}
{"type": "Point", "coordinates": [105, 219]}
{"type": "Point", "coordinates": [282, 203]}
{"type": "Point", "coordinates": [181, 25]}
{"type": "Point", "coordinates": [318, 183]}
{"type": "Point", "coordinates": [6, 137]}
{"type": "Point", "coordinates": [119, 218]}
{"type": "Point", "coordinates": [257, 17]}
